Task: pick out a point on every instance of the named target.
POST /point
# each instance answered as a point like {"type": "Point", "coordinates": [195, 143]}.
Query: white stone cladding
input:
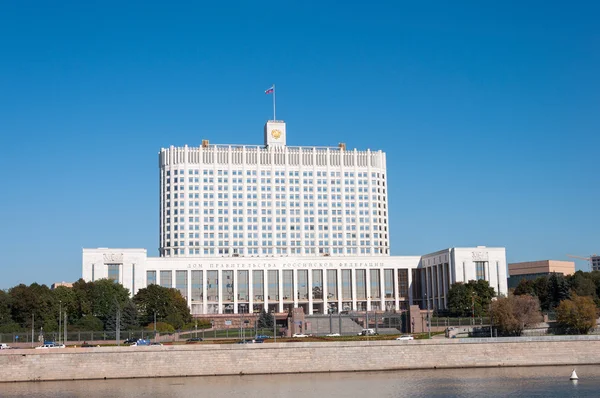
{"type": "Point", "coordinates": [233, 200]}
{"type": "Point", "coordinates": [318, 284]}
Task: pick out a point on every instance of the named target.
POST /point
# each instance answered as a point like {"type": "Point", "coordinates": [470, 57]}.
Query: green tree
{"type": "Point", "coordinates": [525, 286]}
{"type": "Point", "coordinates": [577, 315]}
{"type": "Point", "coordinates": [558, 290]}
{"type": "Point", "coordinates": [459, 299]}
{"type": "Point", "coordinates": [168, 305]}
{"type": "Point", "coordinates": [88, 323]}
{"type": "Point", "coordinates": [265, 320]}
{"type": "Point", "coordinates": [37, 300]}
{"type": "Point", "coordinates": [7, 324]}
{"type": "Point", "coordinates": [471, 298]}
{"type": "Point", "coordinates": [582, 284]}
{"type": "Point", "coordinates": [129, 317]}
{"type": "Point", "coordinates": [510, 315]}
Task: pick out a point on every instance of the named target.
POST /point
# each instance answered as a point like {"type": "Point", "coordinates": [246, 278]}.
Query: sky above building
{"type": "Point", "coordinates": [489, 115]}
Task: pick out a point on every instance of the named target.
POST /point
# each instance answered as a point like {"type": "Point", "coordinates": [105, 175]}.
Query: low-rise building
{"type": "Point", "coordinates": [531, 270]}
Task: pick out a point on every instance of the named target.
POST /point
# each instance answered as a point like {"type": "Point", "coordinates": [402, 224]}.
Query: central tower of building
{"type": "Point", "coordinates": [272, 200]}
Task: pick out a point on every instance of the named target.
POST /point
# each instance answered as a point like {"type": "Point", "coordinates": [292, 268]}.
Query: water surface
{"type": "Point", "coordinates": [493, 382]}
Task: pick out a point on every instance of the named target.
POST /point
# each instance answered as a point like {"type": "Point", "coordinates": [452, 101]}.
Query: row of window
{"type": "Point", "coordinates": [276, 173]}
{"type": "Point", "coordinates": [251, 251]}
{"type": "Point", "coordinates": [381, 284]}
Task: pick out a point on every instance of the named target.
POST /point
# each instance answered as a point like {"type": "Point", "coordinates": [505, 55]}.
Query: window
{"type": "Point", "coordinates": [227, 286]}
{"type": "Point", "coordinates": [346, 284]}
{"type": "Point", "coordinates": [375, 284]}
{"type": "Point", "coordinates": [288, 284]}
{"type": "Point", "coordinates": [150, 278]}
{"type": "Point", "coordinates": [302, 284]}
{"type": "Point", "coordinates": [388, 275]}
{"type": "Point", "coordinates": [166, 279]}
{"type": "Point", "coordinates": [113, 272]}
{"type": "Point", "coordinates": [212, 285]}
{"type": "Point", "coordinates": [181, 282]}
{"type": "Point", "coordinates": [480, 270]}
{"type": "Point", "coordinates": [403, 283]}
{"type": "Point", "coordinates": [317, 284]}
{"type": "Point", "coordinates": [197, 292]}
{"type": "Point", "coordinates": [361, 284]}
{"type": "Point", "coordinates": [273, 285]}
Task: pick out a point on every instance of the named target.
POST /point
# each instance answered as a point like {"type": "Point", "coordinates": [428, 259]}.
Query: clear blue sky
{"type": "Point", "coordinates": [489, 114]}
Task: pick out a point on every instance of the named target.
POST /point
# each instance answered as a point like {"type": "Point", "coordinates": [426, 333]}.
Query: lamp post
{"type": "Point", "coordinates": [155, 325]}
{"type": "Point", "coordinates": [59, 319]}
{"type": "Point", "coordinates": [274, 328]}
{"type": "Point", "coordinates": [428, 319]}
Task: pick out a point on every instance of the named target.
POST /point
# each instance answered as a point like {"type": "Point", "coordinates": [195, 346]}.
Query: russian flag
{"type": "Point", "coordinates": [269, 90]}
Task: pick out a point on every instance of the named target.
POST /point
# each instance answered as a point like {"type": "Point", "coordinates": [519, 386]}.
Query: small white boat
{"type": "Point", "coordinates": [574, 376]}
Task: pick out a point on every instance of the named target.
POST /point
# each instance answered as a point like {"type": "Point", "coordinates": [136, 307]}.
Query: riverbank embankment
{"type": "Point", "coordinates": [296, 357]}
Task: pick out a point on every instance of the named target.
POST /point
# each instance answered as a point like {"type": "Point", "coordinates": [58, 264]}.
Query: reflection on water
{"type": "Point", "coordinates": [493, 382]}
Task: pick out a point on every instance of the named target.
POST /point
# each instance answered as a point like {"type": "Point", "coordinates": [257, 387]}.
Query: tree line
{"type": "Point", "coordinates": [93, 306]}
{"type": "Point", "coordinates": [574, 299]}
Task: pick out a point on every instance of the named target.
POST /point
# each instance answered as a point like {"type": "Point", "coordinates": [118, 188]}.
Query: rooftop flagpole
{"type": "Point", "coordinates": [274, 118]}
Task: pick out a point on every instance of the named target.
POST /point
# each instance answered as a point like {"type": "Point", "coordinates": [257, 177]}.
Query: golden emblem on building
{"type": "Point", "coordinates": [276, 133]}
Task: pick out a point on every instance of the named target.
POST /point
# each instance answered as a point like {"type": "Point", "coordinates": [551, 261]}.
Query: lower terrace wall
{"type": "Point", "coordinates": [269, 358]}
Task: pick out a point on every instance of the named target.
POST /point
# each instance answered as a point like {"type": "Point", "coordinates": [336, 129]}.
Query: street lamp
{"type": "Point", "coordinates": [155, 325]}
{"type": "Point", "coordinates": [59, 319]}
{"type": "Point", "coordinates": [428, 320]}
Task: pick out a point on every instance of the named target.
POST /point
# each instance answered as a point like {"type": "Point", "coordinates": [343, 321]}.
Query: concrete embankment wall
{"type": "Point", "coordinates": [269, 358]}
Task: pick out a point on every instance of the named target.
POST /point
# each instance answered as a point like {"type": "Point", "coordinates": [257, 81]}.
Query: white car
{"type": "Point", "coordinates": [49, 345]}
{"type": "Point", "coordinates": [405, 337]}
{"type": "Point", "coordinates": [299, 335]}
{"type": "Point", "coordinates": [4, 346]}
{"type": "Point", "coordinates": [333, 335]}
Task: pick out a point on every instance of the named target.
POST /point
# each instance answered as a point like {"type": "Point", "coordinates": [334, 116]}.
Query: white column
{"type": "Point", "coordinates": [410, 287]}
{"type": "Point", "coordinates": [353, 288]}
{"type": "Point", "coordinates": [265, 279]}
{"type": "Point", "coordinates": [368, 287]}
{"type": "Point", "coordinates": [382, 287]}
{"type": "Point", "coordinates": [295, 286]}
{"type": "Point", "coordinates": [325, 291]}
{"type": "Point", "coordinates": [204, 292]}
{"type": "Point", "coordinates": [234, 281]}
{"type": "Point", "coordinates": [309, 287]}
{"type": "Point", "coordinates": [188, 278]}
{"type": "Point", "coordinates": [280, 289]}
{"type": "Point", "coordinates": [220, 291]}
{"type": "Point", "coordinates": [339, 289]}
{"type": "Point", "coordinates": [250, 292]}
{"type": "Point", "coordinates": [396, 291]}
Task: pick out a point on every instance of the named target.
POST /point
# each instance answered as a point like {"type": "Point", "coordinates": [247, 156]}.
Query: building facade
{"type": "Point", "coordinates": [318, 284]}
{"type": "Point", "coordinates": [246, 228]}
{"type": "Point", "coordinates": [595, 262]}
{"type": "Point", "coordinates": [233, 200]}
{"type": "Point", "coordinates": [531, 270]}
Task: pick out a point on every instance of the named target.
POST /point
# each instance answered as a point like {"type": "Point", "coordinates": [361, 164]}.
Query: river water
{"type": "Point", "coordinates": [497, 382]}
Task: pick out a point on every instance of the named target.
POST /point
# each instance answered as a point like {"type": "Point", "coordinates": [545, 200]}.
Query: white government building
{"type": "Point", "coordinates": [244, 228]}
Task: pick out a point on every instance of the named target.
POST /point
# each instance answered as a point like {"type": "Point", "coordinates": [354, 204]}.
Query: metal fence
{"type": "Point", "coordinates": [24, 337]}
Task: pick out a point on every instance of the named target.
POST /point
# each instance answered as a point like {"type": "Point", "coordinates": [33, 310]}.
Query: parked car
{"type": "Point", "coordinates": [263, 337]}
{"type": "Point", "coordinates": [130, 340]}
{"type": "Point", "coordinates": [86, 345]}
{"type": "Point", "coordinates": [333, 335]}
{"type": "Point", "coordinates": [4, 346]}
{"type": "Point", "coordinates": [194, 340]}
{"type": "Point", "coordinates": [299, 335]}
{"type": "Point", "coordinates": [405, 337]}
{"type": "Point", "coordinates": [367, 332]}
{"type": "Point", "coordinates": [46, 346]}
{"type": "Point", "coordinates": [141, 342]}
